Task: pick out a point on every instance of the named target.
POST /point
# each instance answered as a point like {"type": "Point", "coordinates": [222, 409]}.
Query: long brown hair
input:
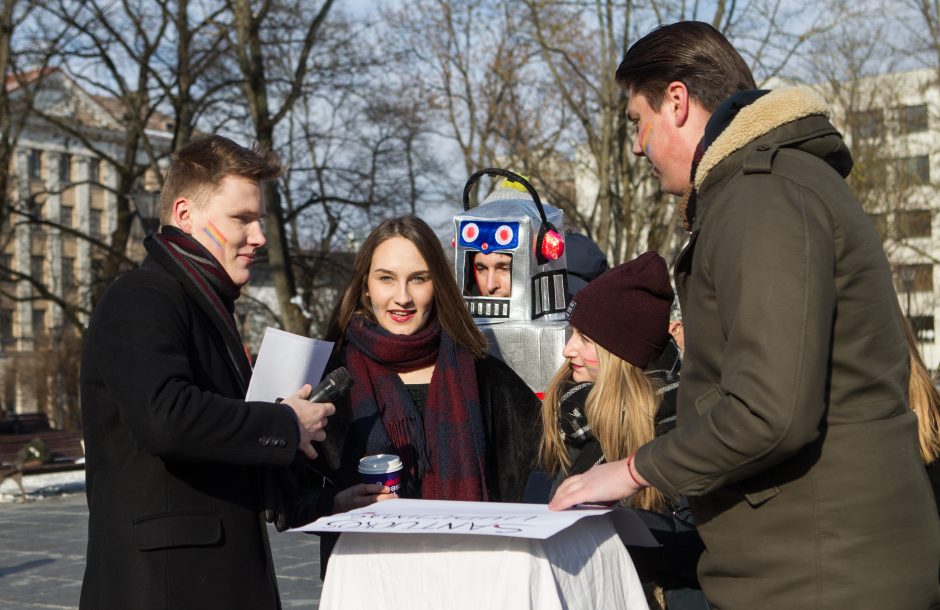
{"type": "Point", "coordinates": [620, 409]}
{"type": "Point", "coordinates": [925, 401]}
{"type": "Point", "coordinates": [449, 305]}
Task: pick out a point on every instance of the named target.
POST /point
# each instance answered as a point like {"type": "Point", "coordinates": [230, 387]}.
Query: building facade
{"type": "Point", "coordinates": [891, 123]}
{"type": "Point", "coordinates": [61, 213]}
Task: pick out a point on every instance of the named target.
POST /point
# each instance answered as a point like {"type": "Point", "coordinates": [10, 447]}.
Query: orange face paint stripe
{"type": "Point", "coordinates": [645, 139]}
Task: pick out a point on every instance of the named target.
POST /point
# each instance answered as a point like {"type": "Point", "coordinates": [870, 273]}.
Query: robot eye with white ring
{"type": "Point", "coordinates": [503, 235]}
{"type": "Point", "coordinates": [470, 232]}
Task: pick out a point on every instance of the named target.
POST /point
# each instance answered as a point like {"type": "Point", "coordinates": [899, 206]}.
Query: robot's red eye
{"type": "Point", "coordinates": [470, 232]}
{"type": "Point", "coordinates": [503, 235]}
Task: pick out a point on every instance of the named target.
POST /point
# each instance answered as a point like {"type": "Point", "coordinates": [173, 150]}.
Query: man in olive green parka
{"type": "Point", "coordinates": [795, 442]}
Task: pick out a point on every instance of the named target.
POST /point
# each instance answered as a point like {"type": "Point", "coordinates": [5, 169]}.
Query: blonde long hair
{"type": "Point", "coordinates": [925, 402]}
{"type": "Point", "coordinates": [620, 409]}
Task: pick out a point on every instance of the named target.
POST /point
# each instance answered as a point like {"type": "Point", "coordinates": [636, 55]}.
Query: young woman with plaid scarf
{"type": "Point", "coordinates": [464, 424]}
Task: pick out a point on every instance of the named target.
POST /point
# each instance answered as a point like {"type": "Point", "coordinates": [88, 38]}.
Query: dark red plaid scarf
{"type": "Point", "coordinates": [444, 453]}
{"type": "Point", "coordinates": [206, 281]}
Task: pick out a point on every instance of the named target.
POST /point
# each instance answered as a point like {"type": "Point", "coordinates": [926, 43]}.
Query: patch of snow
{"type": "Point", "coordinates": [39, 486]}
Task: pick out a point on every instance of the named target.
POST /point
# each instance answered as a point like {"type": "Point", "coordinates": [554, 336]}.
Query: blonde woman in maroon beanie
{"type": "Point", "coordinates": [602, 405]}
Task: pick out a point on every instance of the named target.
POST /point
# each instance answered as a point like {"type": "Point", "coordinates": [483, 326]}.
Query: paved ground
{"type": "Point", "coordinates": [42, 556]}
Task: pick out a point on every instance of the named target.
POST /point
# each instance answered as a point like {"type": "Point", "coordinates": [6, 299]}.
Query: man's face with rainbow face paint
{"type": "Point", "coordinates": [657, 138]}
{"type": "Point", "coordinates": [228, 224]}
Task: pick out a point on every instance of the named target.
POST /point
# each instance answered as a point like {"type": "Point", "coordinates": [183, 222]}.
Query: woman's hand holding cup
{"type": "Point", "coordinates": [361, 494]}
{"type": "Point", "coordinates": [381, 476]}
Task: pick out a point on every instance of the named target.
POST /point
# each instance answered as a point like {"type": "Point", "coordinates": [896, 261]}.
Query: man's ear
{"type": "Point", "coordinates": [677, 96]}
{"type": "Point", "coordinates": [182, 215]}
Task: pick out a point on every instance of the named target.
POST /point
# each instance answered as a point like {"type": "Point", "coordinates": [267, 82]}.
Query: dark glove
{"type": "Point", "coordinates": [280, 489]}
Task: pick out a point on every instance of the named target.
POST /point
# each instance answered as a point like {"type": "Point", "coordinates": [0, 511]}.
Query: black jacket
{"type": "Point", "coordinates": [174, 457]}
{"type": "Point", "coordinates": [511, 418]}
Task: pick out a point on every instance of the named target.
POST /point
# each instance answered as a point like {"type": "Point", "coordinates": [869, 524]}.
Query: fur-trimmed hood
{"type": "Point", "coordinates": [773, 118]}
{"type": "Point", "coordinates": [767, 113]}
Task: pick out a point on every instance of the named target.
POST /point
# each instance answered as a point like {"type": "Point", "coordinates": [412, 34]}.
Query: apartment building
{"type": "Point", "coordinates": [891, 123]}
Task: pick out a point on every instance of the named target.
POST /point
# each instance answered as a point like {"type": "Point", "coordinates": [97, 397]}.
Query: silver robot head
{"type": "Point", "coordinates": [512, 221]}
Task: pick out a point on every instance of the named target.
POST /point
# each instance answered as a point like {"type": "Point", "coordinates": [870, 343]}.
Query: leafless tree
{"type": "Point", "coordinates": [922, 29]}
{"type": "Point", "coordinates": [273, 43]}
{"type": "Point", "coordinates": [582, 43]}
{"type": "Point", "coordinates": [471, 66]}
{"type": "Point", "coordinates": [111, 53]}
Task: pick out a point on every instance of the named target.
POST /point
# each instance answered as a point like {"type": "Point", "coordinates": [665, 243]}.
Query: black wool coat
{"type": "Point", "coordinates": [174, 457]}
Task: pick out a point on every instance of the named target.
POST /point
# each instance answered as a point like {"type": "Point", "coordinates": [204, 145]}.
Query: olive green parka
{"type": "Point", "coordinates": [795, 441]}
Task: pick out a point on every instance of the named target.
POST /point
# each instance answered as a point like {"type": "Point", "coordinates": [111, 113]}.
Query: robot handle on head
{"type": "Point", "coordinates": [550, 245]}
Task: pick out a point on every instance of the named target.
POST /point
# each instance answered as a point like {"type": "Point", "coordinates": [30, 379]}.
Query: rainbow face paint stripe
{"type": "Point", "coordinates": [215, 235]}
{"type": "Point", "coordinates": [645, 139]}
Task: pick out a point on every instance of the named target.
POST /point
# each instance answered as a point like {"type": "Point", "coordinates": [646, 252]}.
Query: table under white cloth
{"type": "Point", "coordinates": [584, 566]}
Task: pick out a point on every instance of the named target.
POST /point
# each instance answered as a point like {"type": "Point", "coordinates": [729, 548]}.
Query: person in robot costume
{"type": "Point", "coordinates": [510, 263]}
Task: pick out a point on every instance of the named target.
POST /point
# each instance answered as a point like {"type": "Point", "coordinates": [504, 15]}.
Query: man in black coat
{"type": "Point", "coordinates": [176, 458]}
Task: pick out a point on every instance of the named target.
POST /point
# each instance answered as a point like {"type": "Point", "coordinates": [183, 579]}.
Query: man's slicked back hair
{"type": "Point", "coordinates": [691, 52]}
{"type": "Point", "coordinates": [197, 170]}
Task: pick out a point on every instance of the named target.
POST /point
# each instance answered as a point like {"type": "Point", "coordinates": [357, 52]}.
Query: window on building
{"type": "Point", "coordinates": [914, 171]}
{"type": "Point", "coordinates": [921, 273]}
{"type": "Point", "coordinates": [6, 325]}
{"type": "Point", "coordinates": [6, 267]}
{"type": "Point", "coordinates": [913, 223]}
{"type": "Point", "coordinates": [66, 214]}
{"type": "Point", "coordinates": [34, 203]}
{"type": "Point", "coordinates": [65, 168]}
{"type": "Point", "coordinates": [37, 266]}
{"type": "Point", "coordinates": [923, 328]}
{"type": "Point", "coordinates": [867, 124]}
{"type": "Point", "coordinates": [94, 220]}
{"type": "Point", "coordinates": [97, 271]}
{"type": "Point", "coordinates": [34, 163]}
{"type": "Point", "coordinates": [912, 119]}
{"type": "Point", "coordinates": [68, 273]}
{"type": "Point", "coordinates": [39, 323]}
{"type": "Point", "coordinates": [93, 173]}
{"type": "Point", "coordinates": [880, 221]}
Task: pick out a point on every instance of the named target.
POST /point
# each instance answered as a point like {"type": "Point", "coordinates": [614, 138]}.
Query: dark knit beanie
{"type": "Point", "coordinates": [626, 309]}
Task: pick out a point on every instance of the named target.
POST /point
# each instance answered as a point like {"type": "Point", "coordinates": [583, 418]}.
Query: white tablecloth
{"type": "Point", "coordinates": [585, 566]}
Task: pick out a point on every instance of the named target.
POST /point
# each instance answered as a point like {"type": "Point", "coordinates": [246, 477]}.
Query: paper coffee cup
{"type": "Point", "coordinates": [384, 468]}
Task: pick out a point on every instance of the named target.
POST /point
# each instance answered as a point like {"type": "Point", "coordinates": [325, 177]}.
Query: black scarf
{"type": "Point", "coordinates": [583, 447]}
{"type": "Point", "coordinates": [572, 421]}
{"type": "Point", "coordinates": [207, 282]}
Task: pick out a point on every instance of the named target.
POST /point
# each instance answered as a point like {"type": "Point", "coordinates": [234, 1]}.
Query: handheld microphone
{"type": "Point", "coordinates": [333, 386]}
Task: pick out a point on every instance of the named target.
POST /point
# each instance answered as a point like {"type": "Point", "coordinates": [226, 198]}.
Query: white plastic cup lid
{"type": "Point", "coordinates": [380, 463]}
